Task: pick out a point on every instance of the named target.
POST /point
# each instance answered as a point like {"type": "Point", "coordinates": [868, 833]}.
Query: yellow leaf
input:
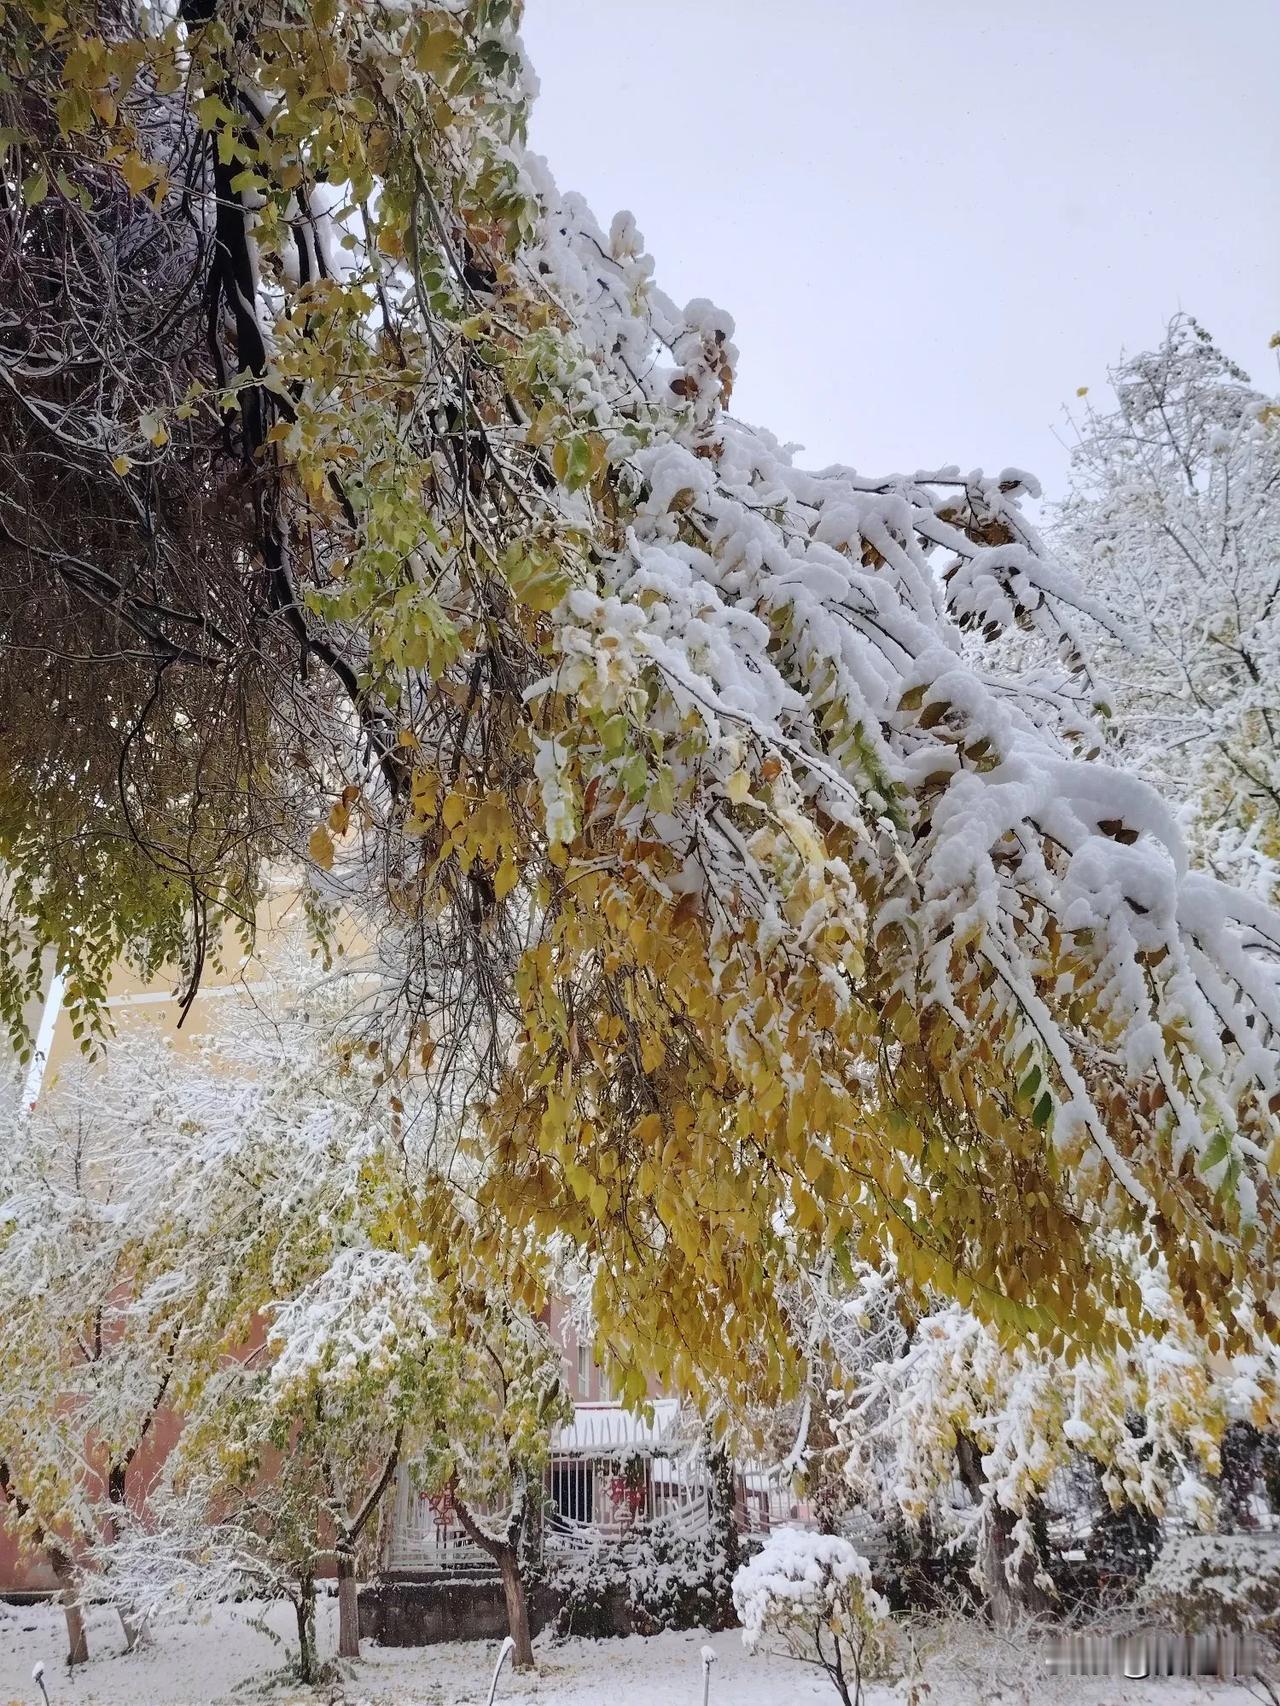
{"type": "Point", "coordinates": [137, 173]}
{"type": "Point", "coordinates": [121, 464]}
{"type": "Point", "coordinates": [320, 847]}
{"type": "Point", "coordinates": [436, 50]}
{"type": "Point", "coordinates": [738, 787]}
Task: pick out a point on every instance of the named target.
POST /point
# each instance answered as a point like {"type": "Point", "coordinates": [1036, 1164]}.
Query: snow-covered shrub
{"type": "Point", "coordinates": [660, 1579]}
{"type": "Point", "coordinates": [679, 1581]}
{"type": "Point", "coordinates": [591, 1588]}
{"type": "Point", "coordinates": [1212, 1581]}
{"type": "Point", "coordinates": [812, 1593]}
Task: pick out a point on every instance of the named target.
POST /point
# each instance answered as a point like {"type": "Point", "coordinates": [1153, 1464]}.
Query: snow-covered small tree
{"type": "Point", "coordinates": [490, 1441]}
{"type": "Point", "coordinates": [82, 1380]}
{"type": "Point", "coordinates": [289, 1450]}
{"type": "Point", "coordinates": [958, 1402]}
{"type": "Point", "coordinates": [388, 1322]}
{"type": "Point", "coordinates": [252, 1233]}
{"type": "Point", "coordinates": [811, 1595]}
{"type": "Point", "coordinates": [844, 1321]}
{"type": "Point", "coordinates": [1173, 524]}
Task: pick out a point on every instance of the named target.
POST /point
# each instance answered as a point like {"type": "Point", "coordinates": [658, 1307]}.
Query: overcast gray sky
{"type": "Point", "coordinates": [931, 221]}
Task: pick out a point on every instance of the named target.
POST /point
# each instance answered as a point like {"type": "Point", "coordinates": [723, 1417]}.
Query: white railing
{"type": "Point", "coordinates": [610, 1486]}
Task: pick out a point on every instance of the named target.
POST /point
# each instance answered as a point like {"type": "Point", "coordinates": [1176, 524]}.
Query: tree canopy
{"type": "Point", "coordinates": [1173, 520]}
{"type": "Point", "coordinates": [377, 509]}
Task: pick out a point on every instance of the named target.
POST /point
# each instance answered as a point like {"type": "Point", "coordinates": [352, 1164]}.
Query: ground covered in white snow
{"type": "Point", "coordinates": [241, 1654]}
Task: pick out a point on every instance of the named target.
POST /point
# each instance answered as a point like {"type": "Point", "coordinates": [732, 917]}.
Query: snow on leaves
{"type": "Point", "coordinates": [819, 929]}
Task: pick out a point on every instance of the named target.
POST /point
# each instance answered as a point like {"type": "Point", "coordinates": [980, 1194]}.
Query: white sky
{"type": "Point", "coordinates": [932, 221]}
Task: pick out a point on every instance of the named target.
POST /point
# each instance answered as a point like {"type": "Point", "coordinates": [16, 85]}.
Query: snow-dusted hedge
{"type": "Point", "coordinates": [1207, 1581]}
{"type": "Point", "coordinates": [659, 1580]}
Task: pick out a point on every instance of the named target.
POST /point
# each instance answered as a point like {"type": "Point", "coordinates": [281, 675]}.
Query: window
{"type": "Point", "coordinates": [584, 1367]}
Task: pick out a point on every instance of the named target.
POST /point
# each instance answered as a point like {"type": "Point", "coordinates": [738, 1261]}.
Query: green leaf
{"type": "Point", "coordinates": [662, 794]}
{"type": "Point", "coordinates": [579, 468]}
{"type": "Point", "coordinates": [35, 189]}
{"type": "Point", "coordinates": [1216, 1153]}
{"type": "Point", "coordinates": [614, 736]}
{"type": "Point", "coordinates": [634, 776]}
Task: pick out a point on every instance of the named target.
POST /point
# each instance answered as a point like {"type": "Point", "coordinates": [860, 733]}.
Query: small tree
{"type": "Point", "coordinates": [355, 1364]}
{"type": "Point", "coordinates": [491, 1441]}
{"type": "Point", "coordinates": [1008, 1418]}
{"type": "Point", "coordinates": [251, 1231]}
{"type": "Point", "coordinates": [81, 1378]}
{"type": "Point", "coordinates": [213, 1534]}
{"type": "Point", "coordinates": [812, 1595]}
{"type": "Point", "coordinates": [28, 1526]}
{"type": "Point", "coordinates": [1173, 523]}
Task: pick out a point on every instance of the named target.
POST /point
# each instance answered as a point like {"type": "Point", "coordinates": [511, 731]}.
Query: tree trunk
{"type": "Point", "coordinates": [517, 1607]}
{"type": "Point", "coordinates": [348, 1608]}
{"type": "Point", "coordinates": [77, 1636]}
{"type": "Point", "coordinates": [506, 1555]}
{"type": "Point", "coordinates": [115, 1494]}
{"type": "Point", "coordinates": [348, 1537]}
{"type": "Point", "coordinates": [834, 1668]}
{"type": "Point", "coordinates": [1008, 1597]}
{"type": "Point", "coordinates": [64, 1572]}
{"type": "Point", "coordinates": [305, 1608]}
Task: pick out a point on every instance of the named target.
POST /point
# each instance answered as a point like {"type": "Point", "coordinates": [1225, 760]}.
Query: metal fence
{"type": "Point", "coordinates": [605, 1495]}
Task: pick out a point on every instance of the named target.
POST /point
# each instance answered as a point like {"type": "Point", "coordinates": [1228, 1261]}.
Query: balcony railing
{"type": "Point", "coordinates": [610, 1481]}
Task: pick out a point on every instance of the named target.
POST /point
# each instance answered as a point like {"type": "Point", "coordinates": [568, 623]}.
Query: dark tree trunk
{"type": "Point", "coordinates": [1018, 1593]}
{"type": "Point", "coordinates": [348, 1538]}
{"type": "Point", "coordinates": [833, 1664]}
{"type": "Point", "coordinates": [348, 1608]}
{"type": "Point", "coordinates": [1008, 1596]}
{"type": "Point", "coordinates": [305, 1610]}
{"type": "Point", "coordinates": [506, 1555]}
{"type": "Point", "coordinates": [115, 1494]}
{"type": "Point", "coordinates": [517, 1607]}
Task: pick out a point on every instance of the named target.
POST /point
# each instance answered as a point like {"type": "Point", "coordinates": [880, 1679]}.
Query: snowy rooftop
{"type": "Point", "coordinates": [608, 1428]}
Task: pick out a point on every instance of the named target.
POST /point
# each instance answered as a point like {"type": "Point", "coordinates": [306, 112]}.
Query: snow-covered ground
{"type": "Point", "coordinates": [240, 1654]}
